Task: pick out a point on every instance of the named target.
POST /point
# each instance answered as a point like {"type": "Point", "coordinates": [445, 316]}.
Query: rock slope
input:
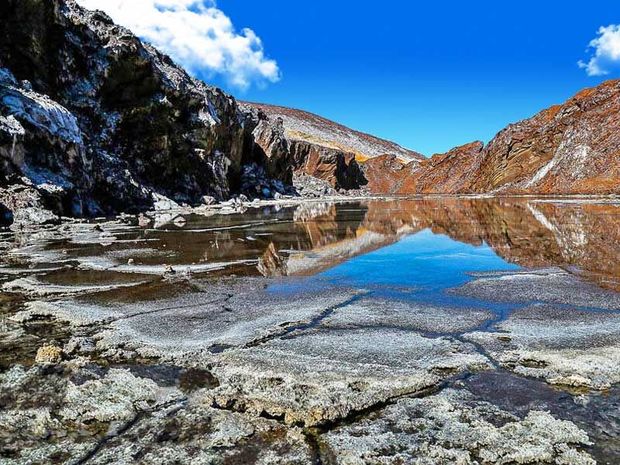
{"type": "Point", "coordinates": [573, 148]}
{"type": "Point", "coordinates": [306, 127]}
{"type": "Point", "coordinates": [93, 121]}
{"type": "Point", "coordinates": [294, 144]}
{"type": "Point", "coordinates": [290, 158]}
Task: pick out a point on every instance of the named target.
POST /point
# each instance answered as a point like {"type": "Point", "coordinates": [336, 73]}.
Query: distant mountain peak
{"type": "Point", "coordinates": [309, 127]}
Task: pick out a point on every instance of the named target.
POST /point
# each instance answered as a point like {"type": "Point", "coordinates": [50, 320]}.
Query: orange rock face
{"type": "Point", "coordinates": [447, 173]}
{"type": "Point", "coordinates": [572, 148]}
{"type": "Point", "coordinates": [385, 173]}
{"type": "Point", "coordinates": [339, 169]}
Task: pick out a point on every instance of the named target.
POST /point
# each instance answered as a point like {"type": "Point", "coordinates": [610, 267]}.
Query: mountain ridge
{"type": "Point", "coordinates": [93, 121]}
{"type": "Point", "coordinates": [571, 148]}
{"type": "Point", "coordinates": [321, 130]}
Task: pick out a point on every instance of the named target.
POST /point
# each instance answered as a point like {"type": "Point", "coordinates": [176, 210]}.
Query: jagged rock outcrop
{"type": "Point", "coordinates": [286, 153]}
{"type": "Point", "coordinates": [446, 173]}
{"type": "Point", "coordinates": [307, 127]}
{"type": "Point", "coordinates": [573, 148]}
{"type": "Point", "coordinates": [267, 144]}
{"type": "Point", "coordinates": [386, 173]}
{"type": "Point", "coordinates": [98, 122]}
{"type": "Point", "coordinates": [339, 169]}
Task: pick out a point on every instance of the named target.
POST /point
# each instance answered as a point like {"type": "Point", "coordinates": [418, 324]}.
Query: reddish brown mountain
{"type": "Point", "coordinates": [572, 148]}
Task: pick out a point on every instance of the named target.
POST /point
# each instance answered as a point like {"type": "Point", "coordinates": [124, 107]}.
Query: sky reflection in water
{"type": "Point", "coordinates": [419, 267]}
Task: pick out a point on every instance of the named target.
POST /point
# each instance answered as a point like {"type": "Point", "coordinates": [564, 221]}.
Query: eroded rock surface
{"type": "Point", "coordinates": [131, 341]}
{"type": "Point", "coordinates": [88, 415]}
{"type": "Point", "coordinates": [95, 121]}
{"type": "Point", "coordinates": [320, 377]}
{"type": "Point", "coordinates": [570, 148]}
{"type": "Point", "coordinates": [453, 428]}
{"type": "Point", "coordinates": [565, 346]}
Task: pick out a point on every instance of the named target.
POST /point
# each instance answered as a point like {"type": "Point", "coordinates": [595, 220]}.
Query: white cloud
{"type": "Point", "coordinates": [197, 35]}
{"type": "Point", "coordinates": [606, 54]}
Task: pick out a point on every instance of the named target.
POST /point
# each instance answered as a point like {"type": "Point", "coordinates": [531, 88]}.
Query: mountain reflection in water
{"type": "Point", "coordinates": [583, 238]}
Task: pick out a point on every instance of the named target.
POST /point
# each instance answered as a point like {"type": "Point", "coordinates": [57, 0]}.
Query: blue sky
{"type": "Point", "coordinates": [428, 75]}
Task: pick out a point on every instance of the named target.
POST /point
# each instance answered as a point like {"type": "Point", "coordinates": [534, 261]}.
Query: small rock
{"type": "Point", "coordinates": [169, 270]}
{"type": "Point", "coordinates": [49, 354]}
{"type": "Point", "coordinates": [143, 221]}
{"type": "Point", "coordinates": [180, 222]}
{"type": "Point", "coordinates": [131, 261]}
{"type": "Point", "coordinates": [208, 200]}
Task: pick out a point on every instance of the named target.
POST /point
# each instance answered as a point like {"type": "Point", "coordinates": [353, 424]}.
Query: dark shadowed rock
{"type": "Point", "coordinates": [286, 153]}
{"type": "Point", "coordinates": [97, 121]}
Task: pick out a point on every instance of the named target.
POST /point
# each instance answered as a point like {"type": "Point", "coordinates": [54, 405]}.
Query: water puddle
{"type": "Point", "coordinates": [596, 413]}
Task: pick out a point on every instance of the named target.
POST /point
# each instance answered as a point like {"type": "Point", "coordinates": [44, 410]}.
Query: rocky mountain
{"type": "Point", "coordinates": [95, 122]}
{"type": "Point", "coordinates": [573, 148]}
{"type": "Point", "coordinates": [302, 126]}
{"type": "Point", "coordinates": [310, 145]}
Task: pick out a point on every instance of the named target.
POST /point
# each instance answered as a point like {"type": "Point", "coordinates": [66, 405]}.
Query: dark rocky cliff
{"type": "Point", "coordinates": [93, 121]}
{"type": "Point", "coordinates": [292, 158]}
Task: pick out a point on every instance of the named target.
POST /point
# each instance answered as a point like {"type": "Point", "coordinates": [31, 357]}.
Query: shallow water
{"type": "Point", "coordinates": [419, 267]}
{"type": "Point", "coordinates": [403, 243]}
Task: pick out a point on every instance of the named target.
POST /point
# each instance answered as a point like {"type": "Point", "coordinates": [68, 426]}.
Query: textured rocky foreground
{"type": "Point", "coordinates": [111, 356]}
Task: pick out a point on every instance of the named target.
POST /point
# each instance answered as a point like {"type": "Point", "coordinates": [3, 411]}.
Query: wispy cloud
{"type": "Point", "coordinates": [606, 52]}
{"type": "Point", "coordinates": [197, 35]}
